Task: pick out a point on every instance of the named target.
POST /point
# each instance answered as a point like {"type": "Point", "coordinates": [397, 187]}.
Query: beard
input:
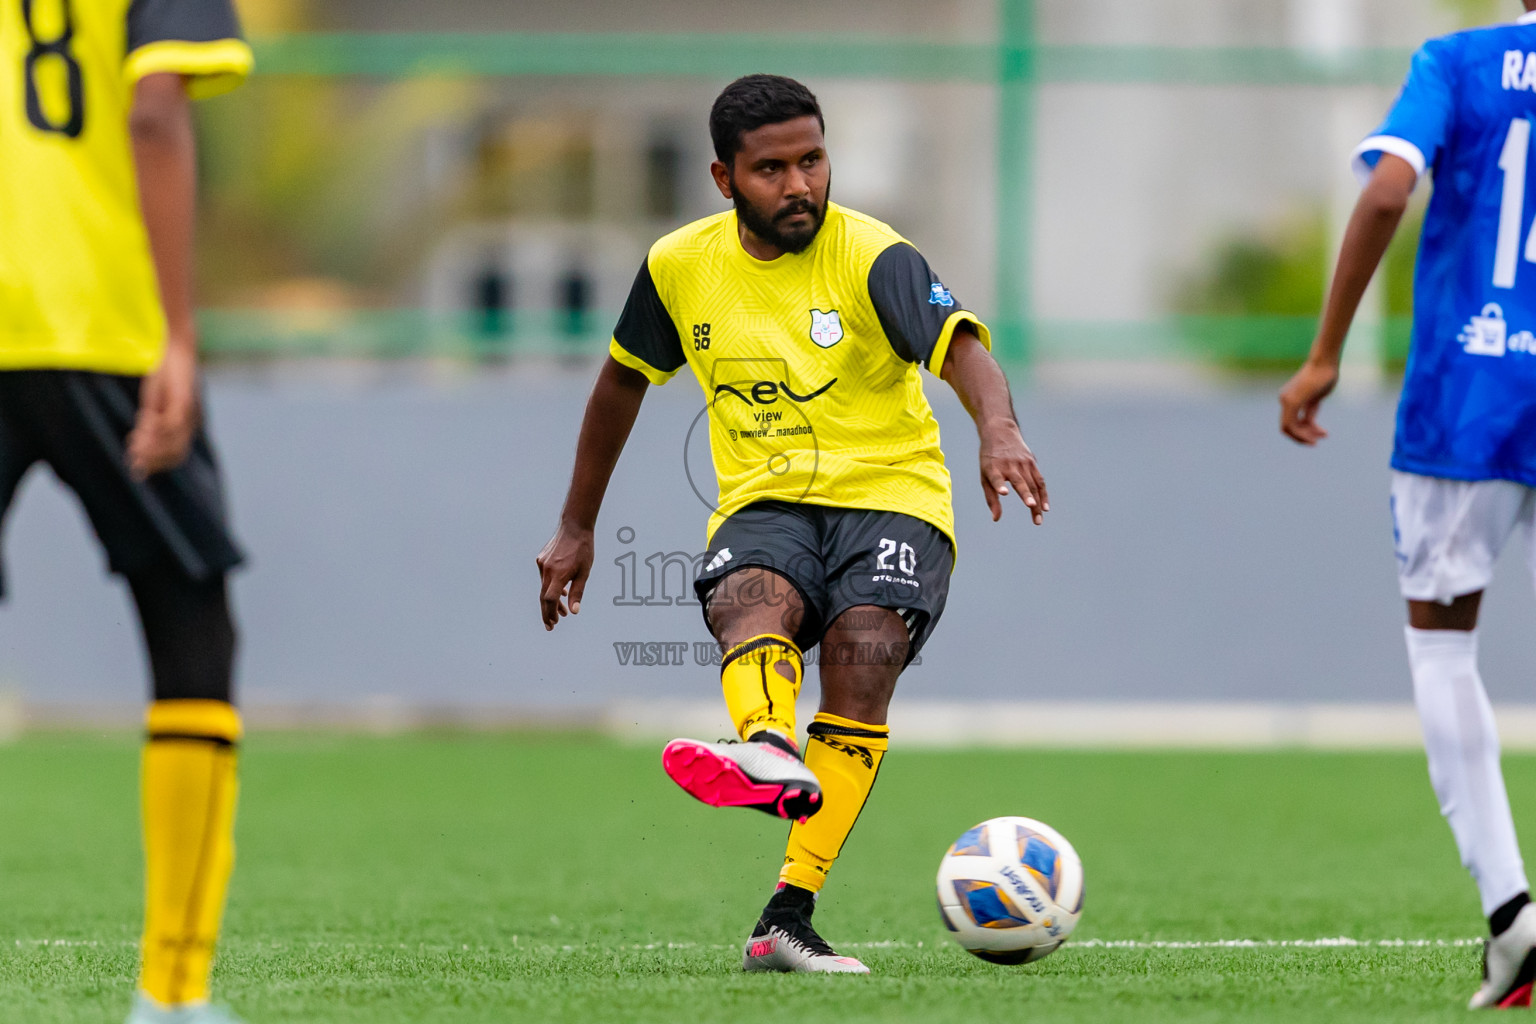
{"type": "Point", "coordinates": [771, 229]}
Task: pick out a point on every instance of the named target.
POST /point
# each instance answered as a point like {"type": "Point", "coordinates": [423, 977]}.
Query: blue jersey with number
{"type": "Point", "coordinates": [1468, 408]}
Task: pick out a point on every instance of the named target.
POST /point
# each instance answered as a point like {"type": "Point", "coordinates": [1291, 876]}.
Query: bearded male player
{"type": "Point", "coordinates": [834, 523]}
{"type": "Point", "coordinates": [1464, 462]}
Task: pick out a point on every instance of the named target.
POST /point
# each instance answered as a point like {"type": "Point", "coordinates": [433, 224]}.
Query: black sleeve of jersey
{"type": "Point", "coordinates": [190, 21]}
{"type": "Point", "coordinates": [902, 288]}
{"type": "Point", "coordinates": [646, 330]}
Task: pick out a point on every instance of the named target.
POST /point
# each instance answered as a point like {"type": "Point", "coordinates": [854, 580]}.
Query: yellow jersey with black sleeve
{"type": "Point", "coordinates": [77, 284]}
{"type": "Point", "coordinates": [809, 362]}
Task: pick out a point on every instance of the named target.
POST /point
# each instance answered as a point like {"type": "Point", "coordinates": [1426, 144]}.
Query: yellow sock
{"type": "Point", "coordinates": [189, 791]}
{"type": "Point", "coordinates": [761, 679]}
{"type": "Point", "coordinates": [845, 755]}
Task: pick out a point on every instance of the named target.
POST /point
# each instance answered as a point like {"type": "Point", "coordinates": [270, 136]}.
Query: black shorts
{"type": "Point", "coordinates": [838, 558]}
{"type": "Point", "coordinates": [77, 423]}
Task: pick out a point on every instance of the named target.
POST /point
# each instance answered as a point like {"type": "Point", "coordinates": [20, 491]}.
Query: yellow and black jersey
{"type": "Point", "coordinates": [809, 362]}
{"type": "Point", "coordinates": [77, 284]}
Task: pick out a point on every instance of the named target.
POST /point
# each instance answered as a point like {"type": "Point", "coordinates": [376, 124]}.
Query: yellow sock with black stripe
{"type": "Point", "coordinates": [761, 679]}
{"type": "Point", "coordinates": [846, 756]}
{"type": "Point", "coordinates": [189, 790]}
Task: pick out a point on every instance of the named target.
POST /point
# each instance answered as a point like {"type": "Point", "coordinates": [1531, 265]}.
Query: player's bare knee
{"type": "Point", "coordinates": [1460, 615]}
{"type": "Point", "coordinates": [867, 635]}
{"type": "Point", "coordinates": [754, 601]}
{"type": "Point", "coordinates": [861, 693]}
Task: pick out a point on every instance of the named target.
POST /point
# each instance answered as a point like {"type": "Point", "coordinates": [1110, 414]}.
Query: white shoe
{"type": "Point", "coordinates": [774, 949]}
{"type": "Point", "coordinates": [1509, 965]}
{"type": "Point", "coordinates": [148, 1011]}
{"type": "Point", "coordinates": [785, 941]}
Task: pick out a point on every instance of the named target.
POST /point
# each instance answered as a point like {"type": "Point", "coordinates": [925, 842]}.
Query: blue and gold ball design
{"type": "Point", "coordinates": [1040, 859]}
{"type": "Point", "coordinates": [988, 905]}
{"type": "Point", "coordinates": [974, 843]}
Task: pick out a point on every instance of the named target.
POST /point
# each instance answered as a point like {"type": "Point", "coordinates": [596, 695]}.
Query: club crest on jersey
{"type": "Point", "coordinates": [938, 295]}
{"type": "Point", "coordinates": [826, 328]}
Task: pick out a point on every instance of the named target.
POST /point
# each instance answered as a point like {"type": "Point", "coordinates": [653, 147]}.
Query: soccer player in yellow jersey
{"type": "Point", "coordinates": [98, 380]}
{"type": "Point", "coordinates": [805, 323]}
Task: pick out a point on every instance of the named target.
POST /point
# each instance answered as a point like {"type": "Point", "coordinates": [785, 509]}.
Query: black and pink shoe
{"type": "Point", "coordinates": [765, 773]}
{"type": "Point", "coordinates": [785, 941]}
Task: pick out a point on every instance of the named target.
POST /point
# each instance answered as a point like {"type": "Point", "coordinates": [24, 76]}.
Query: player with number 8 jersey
{"type": "Point", "coordinates": [1464, 459]}
{"type": "Point", "coordinates": [77, 284]}
{"type": "Point", "coordinates": [99, 381]}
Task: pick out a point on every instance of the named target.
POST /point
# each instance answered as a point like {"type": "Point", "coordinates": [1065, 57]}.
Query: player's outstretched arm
{"type": "Point", "coordinates": [566, 560]}
{"type": "Point", "coordinates": [1371, 227]}
{"type": "Point", "coordinates": [165, 159]}
{"type": "Point", "coordinates": [1005, 459]}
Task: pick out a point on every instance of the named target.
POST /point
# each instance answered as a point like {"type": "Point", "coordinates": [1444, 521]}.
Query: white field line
{"type": "Point", "coordinates": [1340, 942]}
{"type": "Point", "coordinates": [1104, 725]}
{"type": "Point", "coordinates": [1030, 725]}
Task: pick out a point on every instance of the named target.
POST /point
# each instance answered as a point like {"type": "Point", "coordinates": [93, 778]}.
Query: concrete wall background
{"type": "Point", "coordinates": [392, 521]}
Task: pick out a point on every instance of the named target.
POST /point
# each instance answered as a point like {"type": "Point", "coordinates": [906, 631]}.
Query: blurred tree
{"type": "Point", "coordinates": [266, 17]}
{"type": "Point", "coordinates": [529, 164]}
{"type": "Point", "coordinates": [1253, 306]}
{"type": "Point", "coordinates": [1277, 273]}
{"type": "Point", "coordinates": [1478, 12]}
{"type": "Point", "coordinates": [310, 178]}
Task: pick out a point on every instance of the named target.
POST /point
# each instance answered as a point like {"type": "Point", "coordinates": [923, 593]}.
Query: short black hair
{"type": "Point", "coordinates": [753, 101]}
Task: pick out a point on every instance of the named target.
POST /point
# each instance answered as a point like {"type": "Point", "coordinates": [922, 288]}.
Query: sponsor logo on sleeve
{"type": "Point", "coordinates": [938, 295]}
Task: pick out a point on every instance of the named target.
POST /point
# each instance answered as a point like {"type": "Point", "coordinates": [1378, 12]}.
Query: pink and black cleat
{"type": "Point", "coordinates": [763, 773]}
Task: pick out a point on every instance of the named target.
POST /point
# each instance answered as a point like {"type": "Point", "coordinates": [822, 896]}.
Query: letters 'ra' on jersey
{"type": "Point", "coordinates": [1468, 409]}
{"type": "Point", "coordinates": [809, 363]}
{"type": "Point", "coordinates": [77, 285]}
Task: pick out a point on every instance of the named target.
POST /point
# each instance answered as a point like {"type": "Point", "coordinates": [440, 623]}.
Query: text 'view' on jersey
{"type": "Point", "coordinates": [809, 362]}
{"type": "Point", "coordinates": [77, 283]}
{"type": "Point", "coordinates": [1468, 409]}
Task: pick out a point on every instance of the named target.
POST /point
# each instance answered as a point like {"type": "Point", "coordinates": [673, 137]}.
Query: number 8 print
{"type": "Point", "coordinates": [57, 47]}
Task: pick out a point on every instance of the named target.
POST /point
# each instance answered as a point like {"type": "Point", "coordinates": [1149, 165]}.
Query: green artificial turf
{"type": "Point", "coordinates": [563, 878]}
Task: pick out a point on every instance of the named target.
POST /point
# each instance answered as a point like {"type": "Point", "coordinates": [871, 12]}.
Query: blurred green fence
{"type": "Point", "coordinates": [397, 55]}
{"type": "Point", "coordinates": [1242, 343]}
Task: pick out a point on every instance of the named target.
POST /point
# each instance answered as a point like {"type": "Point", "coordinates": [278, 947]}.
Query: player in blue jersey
{"type": "Point", "coordinates": [1464, 462]}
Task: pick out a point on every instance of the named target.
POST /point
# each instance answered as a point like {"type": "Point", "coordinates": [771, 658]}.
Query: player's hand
{"type": "Point", "coordinates": [564, 565]}
{"type": "Point", "coordinates": [168, 414]}
{"type": "Point", "coordinates": [1300, 399]}
{"type": "Point", "coordinates": [1006, 461]}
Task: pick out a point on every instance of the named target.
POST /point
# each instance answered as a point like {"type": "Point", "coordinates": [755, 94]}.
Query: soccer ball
{"type": "Point", "coordinates": [1011, 890]}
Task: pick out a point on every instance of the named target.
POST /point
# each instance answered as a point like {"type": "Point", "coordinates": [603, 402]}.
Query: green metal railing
{"type": "Point", "coordinates": [1014, 58]}
{"type": "Point", "coordinates": [1259, 343]}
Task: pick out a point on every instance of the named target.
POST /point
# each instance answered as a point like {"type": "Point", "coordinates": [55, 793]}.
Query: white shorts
{"type": "Point", "coordinates": [1448, 533]}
